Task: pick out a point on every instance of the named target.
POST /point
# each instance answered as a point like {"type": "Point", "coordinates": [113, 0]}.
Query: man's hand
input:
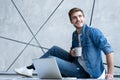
{"type": "Point", "coordinates": [109, 77]}
{"type": "Point", "coordinates": [72, 52]}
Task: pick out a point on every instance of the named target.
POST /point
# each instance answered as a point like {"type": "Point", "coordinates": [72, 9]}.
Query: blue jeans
{"type": "Point", "coordinates": [68, 65]}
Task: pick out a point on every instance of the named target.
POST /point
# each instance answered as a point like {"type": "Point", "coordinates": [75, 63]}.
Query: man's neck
{"type": "Point", "coordinates": [79, 30]}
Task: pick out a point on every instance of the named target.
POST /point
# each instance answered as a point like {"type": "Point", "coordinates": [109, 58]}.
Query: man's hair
{"type": "Point", "coordinates": [73, 10]}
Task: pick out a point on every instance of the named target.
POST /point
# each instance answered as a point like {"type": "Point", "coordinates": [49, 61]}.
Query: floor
{"type": "Point", "coordinates": [14, 76]}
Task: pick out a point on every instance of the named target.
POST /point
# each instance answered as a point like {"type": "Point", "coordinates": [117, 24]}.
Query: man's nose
{"type": "Point", "coordinates": [78, 18]}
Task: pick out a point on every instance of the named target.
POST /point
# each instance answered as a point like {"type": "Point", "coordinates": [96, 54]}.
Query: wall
{"type": "Point", "coordinates": [30, 27]}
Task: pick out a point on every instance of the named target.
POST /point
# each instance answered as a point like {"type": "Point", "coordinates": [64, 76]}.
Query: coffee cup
{"type": "Point", "coordinates": [78, 51]}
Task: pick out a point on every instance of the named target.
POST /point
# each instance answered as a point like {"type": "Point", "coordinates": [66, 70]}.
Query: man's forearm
{"type": "Point", "coordinates": [110, 63]}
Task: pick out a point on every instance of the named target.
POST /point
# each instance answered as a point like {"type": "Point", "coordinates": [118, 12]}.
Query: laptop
{"type": "Point", "coordinates": [47, 68]}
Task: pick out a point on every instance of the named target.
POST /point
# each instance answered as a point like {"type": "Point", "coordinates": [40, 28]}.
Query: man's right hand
{"type": "Point", "coordinates": [72, 52]}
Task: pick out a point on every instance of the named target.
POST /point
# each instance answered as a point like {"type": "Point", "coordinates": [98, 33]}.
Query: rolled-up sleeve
{"type": "Point", "coordinates": [100, 41]}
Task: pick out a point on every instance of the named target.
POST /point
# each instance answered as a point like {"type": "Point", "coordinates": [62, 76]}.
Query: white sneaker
{"type": "Point", "coordinates": [24, 71]}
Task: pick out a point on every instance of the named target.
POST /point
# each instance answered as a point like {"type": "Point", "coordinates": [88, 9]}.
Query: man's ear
{"type": "Point", "coordinates": [85, 17]}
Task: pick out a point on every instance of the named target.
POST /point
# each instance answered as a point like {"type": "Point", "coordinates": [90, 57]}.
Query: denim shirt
{"type": "Point", "coordinates": [92, 42]}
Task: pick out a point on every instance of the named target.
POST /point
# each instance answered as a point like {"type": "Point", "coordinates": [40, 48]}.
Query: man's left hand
{"type": "Point", "coordinates": [109, 76]}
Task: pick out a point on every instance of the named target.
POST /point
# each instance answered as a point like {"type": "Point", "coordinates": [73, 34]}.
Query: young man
{"type": "Point", "coordinates": [89, 64]}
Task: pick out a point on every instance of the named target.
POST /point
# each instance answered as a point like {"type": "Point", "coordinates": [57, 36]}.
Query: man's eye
{"type": "Point", "coordinates": [73, 17]}
{"type": "Point", "coordinates": [80, 15]}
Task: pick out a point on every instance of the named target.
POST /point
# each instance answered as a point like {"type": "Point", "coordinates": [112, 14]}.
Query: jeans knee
{"type": "Point", "coordinates": [54, 47]}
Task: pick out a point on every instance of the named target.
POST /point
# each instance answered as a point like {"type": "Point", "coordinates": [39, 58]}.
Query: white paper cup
{"type": "Point", "coordinates": [78, 51]}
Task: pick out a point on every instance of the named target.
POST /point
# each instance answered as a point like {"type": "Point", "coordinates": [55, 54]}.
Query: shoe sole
{"type": "Point", "coordinates": [22, 74]}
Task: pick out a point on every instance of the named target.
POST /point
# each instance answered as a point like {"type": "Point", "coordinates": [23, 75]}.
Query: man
{"type": "Point", "coordinates": [89, 64]}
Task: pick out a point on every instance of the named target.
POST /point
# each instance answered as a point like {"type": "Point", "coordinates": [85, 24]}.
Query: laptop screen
{"type": "Point", "coordinates": [47, 68]}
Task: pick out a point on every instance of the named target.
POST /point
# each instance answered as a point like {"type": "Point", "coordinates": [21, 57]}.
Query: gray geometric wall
{"type": "Point", "coordinates": [28, 28]}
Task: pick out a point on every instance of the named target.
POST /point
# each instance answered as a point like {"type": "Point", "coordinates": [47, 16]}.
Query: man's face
{"type": "Point", "coordinates": [77, 19]}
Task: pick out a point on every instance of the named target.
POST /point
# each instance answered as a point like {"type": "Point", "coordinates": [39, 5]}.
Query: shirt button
{"type": "Point", "coordinates": [78, 68]}
{"type": "Point", "coordinates": [90, 75]}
